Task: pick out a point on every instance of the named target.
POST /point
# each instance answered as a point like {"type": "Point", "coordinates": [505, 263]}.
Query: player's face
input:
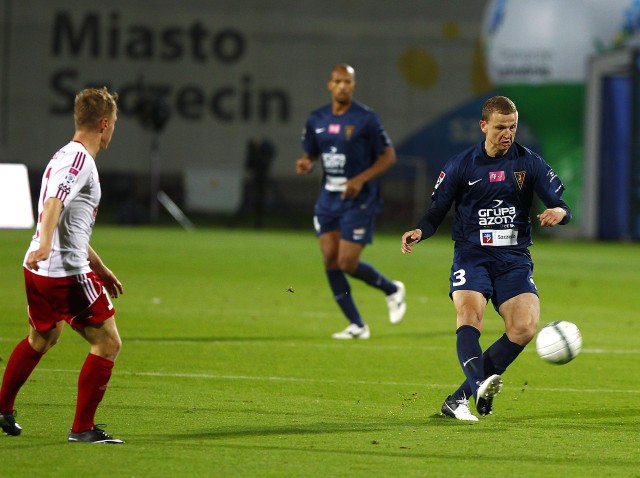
{"type": "Point", "coordinates": [108, 132]}
{"type": "Point", "coordinates": [342, 84]}
{"type": "Point", "coordinates": [500, 132]}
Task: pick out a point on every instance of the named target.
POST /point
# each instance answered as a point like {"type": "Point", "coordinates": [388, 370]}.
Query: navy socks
{"type": "Point", "coordinates": [367, 273]}
{"type": "Point", "coordinates": [342, 294]}
{"type": "Point", "coordinates": [470, 355]}
{"type": "Point", "coordinates": [342, 290]}
{"type": "Point", "coordinates": [496, 359]}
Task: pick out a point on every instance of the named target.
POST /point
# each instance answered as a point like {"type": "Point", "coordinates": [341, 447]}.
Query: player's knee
{"type": "Point", "coordinates": [330, 263]}
{"type": "Point", "coordinates": [522, 332]}
{"type": "Point", "coordinates": [348, 264]}
{"type": "Point", "coordinates": [42, 345]}
{"type": "Point", "coordinates": [469, 315]}
{"type": "Point", "coordinates": [109, 347]}
{"type": "Point", "coordinates": [115, 346]}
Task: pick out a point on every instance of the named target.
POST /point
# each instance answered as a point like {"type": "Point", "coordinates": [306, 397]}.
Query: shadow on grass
{"type": "Point", "coordinates": [371, 440]}
{"type": "Point", "coordinates": [315, 429]}
{"type": "Point", "coordinates": [618, 421]}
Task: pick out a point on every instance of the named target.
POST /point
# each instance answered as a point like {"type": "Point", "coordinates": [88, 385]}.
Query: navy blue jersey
{"type": "Point", "coordinates": [346, 145]}
{"type": "Point", "coordinates": [493, 196]}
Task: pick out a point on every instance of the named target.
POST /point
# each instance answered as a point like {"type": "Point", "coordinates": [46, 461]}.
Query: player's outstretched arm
{"type": "Point", "coordinates": [410, 238]}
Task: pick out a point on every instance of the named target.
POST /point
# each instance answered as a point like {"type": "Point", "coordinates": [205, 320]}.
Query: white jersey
{"type": "Point", "coordinates": [72, 177]}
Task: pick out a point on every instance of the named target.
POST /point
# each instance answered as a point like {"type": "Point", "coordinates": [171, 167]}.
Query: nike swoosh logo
{"type": "Point", "coordinates": [464, 364]}
{"type": "Point", "coordinates": [471, 183]}
{"type": "Point", "coordinates": [319, 130]}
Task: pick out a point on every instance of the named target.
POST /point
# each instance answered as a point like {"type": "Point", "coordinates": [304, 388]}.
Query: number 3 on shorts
{"type": "Point", "coordinates": [459, 278]}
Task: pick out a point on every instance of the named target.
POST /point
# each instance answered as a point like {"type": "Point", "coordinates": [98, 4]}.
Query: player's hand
{"type": "Point", "coordinates": [304, 166]}
{"type": "Point", "coordinates": [111, 283]}
{"type": "Point", "coordinates": [108, 278]}
{"type": "Point", "coordinates": [352, 188]}
{"type": "Point", "coordinates": [36, 256]}
{"type": "Point", "coordinates": [551, 217]}
{"type": "Point", "coordinates": [409, 239]}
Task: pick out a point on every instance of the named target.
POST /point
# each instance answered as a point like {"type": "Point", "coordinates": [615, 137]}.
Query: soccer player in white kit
{"type": "Point", "coordinates": [65, 279]}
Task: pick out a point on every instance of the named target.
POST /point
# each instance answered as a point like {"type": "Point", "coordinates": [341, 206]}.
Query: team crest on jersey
{"type": "Point", "coordinates": [71, 176]}
{"type": "Point", "coordinates": [520, 177]}
{"type": "Point", "coordinates": [334, 129]}
{"type": "Point", "coordinates": [348, 131]}
{"type": "Point", "coordinates": [440, 179]}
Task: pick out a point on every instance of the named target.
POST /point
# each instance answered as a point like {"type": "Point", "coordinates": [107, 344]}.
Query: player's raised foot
{"type": "Point", "coordinates": [354, 331]}
{"type": "Point", "coordinates": [458, 408]}
{"type": "Point", "coordinates": [9, 425]}
{"type": "Point", "coordinates": [484, 406]}
{"type": "Point", "coordinates": [487, 390]}
{"type": "Point", "coordinates": [396, 303]}
{"type": "Point", "coordinates": [95, 435]}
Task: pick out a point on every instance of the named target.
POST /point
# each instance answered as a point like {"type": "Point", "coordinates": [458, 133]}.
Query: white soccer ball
{"type": "Point", "coordinates": [559, 342]}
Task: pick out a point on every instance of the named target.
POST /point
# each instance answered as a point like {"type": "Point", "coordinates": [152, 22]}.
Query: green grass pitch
{"type": "Point", "coordinates": [228, 368]}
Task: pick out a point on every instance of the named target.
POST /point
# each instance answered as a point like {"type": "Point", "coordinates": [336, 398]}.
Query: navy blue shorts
{"type": "Point", "coordinates": [497, 273]}
{"type": "Point", "coordinates": [354, 225]}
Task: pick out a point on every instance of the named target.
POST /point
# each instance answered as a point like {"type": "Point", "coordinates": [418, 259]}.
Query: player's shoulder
{"type": "Point", "coordinates": [73, 147]}
{"type": "Point", "coordinates": [362, 110]}
{"type": "Point", "coordinates": [72, 154]}
{"type": "Point", "coordinates": [529, 159]}
{"type": "Point", "coordinates": [466, 156]}
{"type": "Point", "coordinates": [320, 112]}
{"type": "Point", "coordinates": [361, 107]}
{"type": "Point", "coordinates": [521, 151]}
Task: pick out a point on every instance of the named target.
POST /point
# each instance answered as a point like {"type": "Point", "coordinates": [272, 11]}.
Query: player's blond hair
{"type": "Point", "coordinates": [91, 105]}
{"type": "Point", "coordinates": [498, 104]}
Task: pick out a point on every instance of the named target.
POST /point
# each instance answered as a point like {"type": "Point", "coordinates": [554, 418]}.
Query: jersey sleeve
{"type": "Point", "coordinates": [309, 143]}
{"type": "Point", "coordinates": [549, 187]}
{"type": "Point", "coordinates": [442, 198]}
{"type": "Point", "coordinates": [380, 137]}
{"type": "Point", "coordinates": [68, 175]}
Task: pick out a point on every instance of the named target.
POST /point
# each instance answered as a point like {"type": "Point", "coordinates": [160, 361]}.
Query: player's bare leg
{"type": "Point", "coordinates": [43, 341]}
{"type": "Point", "coordinates": [521, 316]}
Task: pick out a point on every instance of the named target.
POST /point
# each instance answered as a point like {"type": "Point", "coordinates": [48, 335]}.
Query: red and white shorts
{"type": "Point", "coordinates": [79, 300]}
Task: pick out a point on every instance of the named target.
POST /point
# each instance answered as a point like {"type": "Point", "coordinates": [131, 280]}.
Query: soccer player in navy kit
{"type": "Point", "coordinates": [492, 186]}
{"type": "Point", "coordinates": [348, 139]}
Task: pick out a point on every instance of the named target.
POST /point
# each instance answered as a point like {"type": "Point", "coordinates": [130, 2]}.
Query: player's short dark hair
{"type": "Point", "coordinates": [91, 105]}
{"type": "Point", "coordinates": [498, 104]}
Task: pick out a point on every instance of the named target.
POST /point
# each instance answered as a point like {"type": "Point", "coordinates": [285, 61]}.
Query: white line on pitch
{"type": "Point", "coordinates": [319, 380]}
{"type": "Point", "coordinates": [330, 344]}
